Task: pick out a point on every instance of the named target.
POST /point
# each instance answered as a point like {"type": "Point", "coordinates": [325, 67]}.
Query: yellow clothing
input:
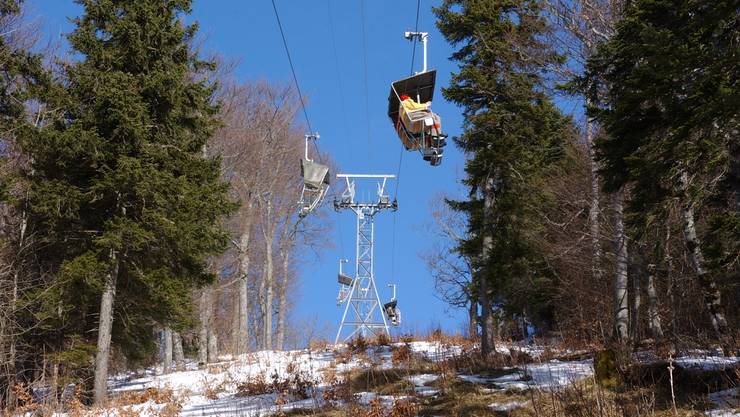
{"type": "Point", "coordinates": [415, 126]}
{"type": "Point", "coordinates": [411, 105]}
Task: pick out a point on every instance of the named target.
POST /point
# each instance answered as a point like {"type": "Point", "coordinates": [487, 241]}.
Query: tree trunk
{"type": "Point", "coordinates": [178, 352]}
{"type": "Point", "coordinates": [212, 343]}
{"type": "Point", "coordinates": [256, 321]}
{"type": "Point", "coordinates": [473, 321]}
{"type": "Point", "coordinates": [594, 209]}
{"type": "Point", "coordinates": [269, 286]}
{"type": "Point", "coordinates": [12, 348]}
{"type": "Point", "coordinates": [235, 317]}
{"type": "Point", "coordinates": [266, 286]}
{"type": "Point", "coordinates": [671, 280]}
{"type": "Point", "coordinates": [10, 331]}
{"type": "Point", "coordinates": [167, 350]}
{"type": "Point", "coordinates": [656, 330]}
{"type": "Point", "coordinates": [203, 329]}
{"type": "Point", "coordinates": [105, 326]}
{"type": "Point", "coordinates": [621, 282]}
{"type": "Point", "coordinates": [636, 302]}
{"type": "Point", "coordinates": [283, 297]}
{"type": "Point", "coordinates": [243, 302]}
{"type": "Point", "coordinates": [488, 330]}
{"type": "Point", "coordinates": [712, 298]}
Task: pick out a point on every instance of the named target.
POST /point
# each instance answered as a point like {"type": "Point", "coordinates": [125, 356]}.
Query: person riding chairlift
{"type": "Point", "coordinates": [420, 122]}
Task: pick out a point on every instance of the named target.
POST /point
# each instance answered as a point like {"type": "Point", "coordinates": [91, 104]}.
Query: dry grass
{"type": "Point", "coordinates": [381, 381]}
{"type": "Point", "coordinates": [401, 354]}
{"type": "Point", "coordinates": [586, 399]}
{"type": "Point", "coordinates": [465, 399]}
{"type": "Point", "coordinates": [296, 385]}
{"type": "Point", "coordinates": [400, 408]}
{"type": "Point", "coordinates": [358, 345]}
{"type": "Point", "coordinates": [156, 395]}
{"type": "Point", "coordinates": [316, 345]}
{"type": "Point", "coordinates": [475, 363]}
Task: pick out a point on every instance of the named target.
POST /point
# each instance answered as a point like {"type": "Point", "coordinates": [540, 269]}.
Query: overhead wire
{"type": "Point", "coordinates": [400, 158]}
{"type": "Point", "coordinates": [413, 58]}
{"type": "Point", "coordinates": [364, 64]}
{"type": "Point", "coordinates": [416, 29]}
{"type": "Point", "coordinates": [295, 77]}
{"type": "Point", "coordinates": [343, 106]}
{"type": "Point", "coordinates": [339, 75]}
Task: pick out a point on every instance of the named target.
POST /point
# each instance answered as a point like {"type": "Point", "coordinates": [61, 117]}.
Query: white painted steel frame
{"type": "Point", "coordinates": [363, 300]}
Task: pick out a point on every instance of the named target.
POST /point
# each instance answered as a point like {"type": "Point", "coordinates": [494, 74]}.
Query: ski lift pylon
{"type": "Point", "coordinates": [316, 179]}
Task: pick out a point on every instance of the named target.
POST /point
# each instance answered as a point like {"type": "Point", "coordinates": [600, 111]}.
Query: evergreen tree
{"type": "Point", "coordinates": [514, 136]}
{"type": "Point", "coordinates": [122, 196]}
{"type": "Point", "coordinates": [666, 86]}
{"type": "Point", "coordinates": [23, 81]}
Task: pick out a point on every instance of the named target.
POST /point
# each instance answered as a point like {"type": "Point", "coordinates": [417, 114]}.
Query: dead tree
{"type": "Point", "coordinates": [452, 272]}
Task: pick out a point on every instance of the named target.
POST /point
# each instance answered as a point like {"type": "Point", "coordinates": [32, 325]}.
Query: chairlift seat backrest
{"type": "Point", "coordinates": [315, 175]}
{"type": "Point", "coordinates": [419, 87]}
{"type": "Point", "coordinates": [344, 279]}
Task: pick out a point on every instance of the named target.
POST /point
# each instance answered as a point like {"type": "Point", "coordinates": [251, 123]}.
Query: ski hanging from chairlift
{"type": "Point", "coordinates": [409, 108]}
{"type": "Point", "coordinates": [315, 181]}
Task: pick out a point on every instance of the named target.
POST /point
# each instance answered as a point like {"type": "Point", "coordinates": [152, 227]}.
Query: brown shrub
{"type": "Point", "coordinates": [297, 385]}
{"type": "Point", "coordinates": [157, 395]}
{"type": "Point", "coordinates": [401, 354]}
{"type": "Point", "coordinates": [382, 339]}
{"type": "Point", "coordinates": [358, 344]}
{"type": "Point", "coordinates": [318, 344]}
{"type": "Point", "coordinates": [403, 408]}
{"type": "Point", "coordinates": [342, 356]}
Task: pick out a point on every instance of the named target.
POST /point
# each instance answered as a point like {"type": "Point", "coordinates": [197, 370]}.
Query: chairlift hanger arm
{"type": "Point", "coordinates": [314, 137]}
{"type": "Point", "coordinates": [423, 37]}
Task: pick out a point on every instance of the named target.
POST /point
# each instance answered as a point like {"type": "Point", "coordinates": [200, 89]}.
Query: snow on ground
{"type": "Point", "coordinates": [707, 361]}
{"type": "Point", "coordinates": [509, 406]}
{"type": "Point", "coordinates": [365, 398]}
{"type": "Point", "coordinates": [723, 413]}
{"type": "Point", "coordinates": [548, 375]}
{"type": "Point", "coordinates": [264, 366]}
{"type": "Point", "coordinates": [420, 382]}
{"type": "Point", "coordinates": [725, 401]}
{"type": "Point", "coordinates": [435, 351]}
{"type": "Point", "coordinates": [213, 391]}
{"type": "Point", "coordinates": [221, 380]}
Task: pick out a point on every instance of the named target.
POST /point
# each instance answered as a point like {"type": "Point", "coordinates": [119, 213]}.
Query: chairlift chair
{"type": "Point", "coordinates": [345, 282]}
{"type": "Point", "coordinates": [390, 309]}
{"type": "Point", "coordinates": [417, 127]}
{"type": "Point", "coordinates": [316, 181]}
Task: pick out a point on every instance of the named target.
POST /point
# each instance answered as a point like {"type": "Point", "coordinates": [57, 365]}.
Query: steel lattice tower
{"type": "Point", "coordinates": [360, 293]}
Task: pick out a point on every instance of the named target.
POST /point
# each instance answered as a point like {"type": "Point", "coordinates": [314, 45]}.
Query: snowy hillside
{"type": "Point", "coordinates": [410, 378]}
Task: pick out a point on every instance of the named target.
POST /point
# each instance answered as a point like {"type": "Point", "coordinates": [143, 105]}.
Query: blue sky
{"type": "Point", "coordinates": [329, 62]}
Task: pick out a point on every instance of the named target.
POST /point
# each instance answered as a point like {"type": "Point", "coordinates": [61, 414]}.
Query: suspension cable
{"type": "Point", "coordinates": [339, 76]}
{"type": "Point", "coordinates": [295, 78]}
{"type": "Point", "coordinates": [364, 64]}
{"type": "Point", "coordinates": [400, 158]}
{"type": "Point", "coordinates": [413, 56]}
{"type": "Point", "coordinates": [416, 29]}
